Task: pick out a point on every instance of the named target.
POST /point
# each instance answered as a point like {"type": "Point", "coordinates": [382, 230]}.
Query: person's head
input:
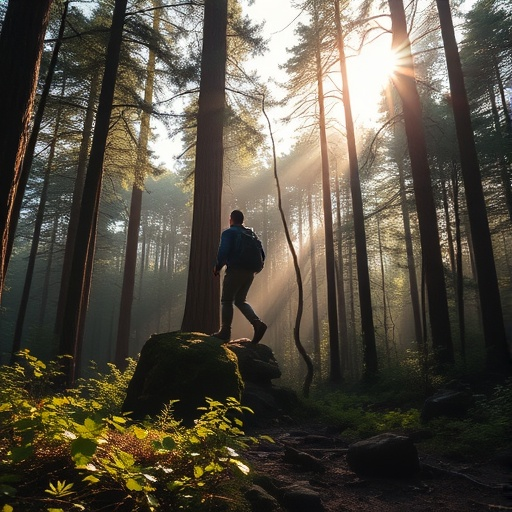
{"type": "Point", "coordinates": [236, 217]}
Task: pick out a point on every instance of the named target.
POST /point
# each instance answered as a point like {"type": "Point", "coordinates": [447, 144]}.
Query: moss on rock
{"type": "Point", "coordinates": [182, 366]}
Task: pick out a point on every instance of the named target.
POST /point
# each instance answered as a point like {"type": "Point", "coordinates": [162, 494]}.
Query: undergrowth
{"type": "Point", "coordinates": [72, 450]}
{"type": "Point", "coordinates": [393, 403]}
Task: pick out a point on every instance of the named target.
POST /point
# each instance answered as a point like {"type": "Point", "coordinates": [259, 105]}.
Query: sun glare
{"type": "Point", "coordinates": [368, 73]}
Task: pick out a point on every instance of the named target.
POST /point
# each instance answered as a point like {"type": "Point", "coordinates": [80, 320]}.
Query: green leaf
{"type": "Point", "coordinates": [140, 433]}
{"type": "Point", "coordinates": [168, 443]}
{"type": "Point", "coordinates": [84, 446]}
{"type": "Point", "coordinates": [91, 478]}
{"type": "Point", "coordinates": [24, 424]}
{"type": "Point", "coordinates": [82, 450]}
{"type": "Point", "coordinates": [7, 508]}
{"type": "Point", "coordinates": [173, 486]}
{"type": "Point", "coordinates": [198, 471]}
{"type": "Point", "coordinates": [91, 425]}
{"type": "Point", "coordinates": [133, 485]}
{"type": "Point", "coordinates": [152, 501]}
{"type": "Point", "coordinates": [62, 489]}
{"type": "Point", "coordinates": [59, 401]}
{"type": "Point", "coordinates": [20, 453]}
{"type": "Point", "coordinates": [241, 466]}
{"type": "Point", "coordinates": [124, 460]}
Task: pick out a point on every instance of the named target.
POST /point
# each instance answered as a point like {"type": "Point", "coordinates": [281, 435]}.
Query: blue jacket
{"type": "Point", "coordinates": [226, 253]}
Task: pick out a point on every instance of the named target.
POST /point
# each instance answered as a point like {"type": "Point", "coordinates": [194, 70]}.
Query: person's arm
{"type": "Point", "coordinates": [226, 242]}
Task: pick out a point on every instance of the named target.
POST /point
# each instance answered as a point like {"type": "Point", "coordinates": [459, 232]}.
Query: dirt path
{"type": "Point", "coordinates": [441, 486]}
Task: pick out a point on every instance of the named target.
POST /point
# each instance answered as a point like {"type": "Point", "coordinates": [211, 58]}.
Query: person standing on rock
{"type": "Point", "coordinates": [242, 253]}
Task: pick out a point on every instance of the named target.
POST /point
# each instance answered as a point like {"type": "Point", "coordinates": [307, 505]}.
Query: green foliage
{"type": "Point", "coordinates": [108, 389]}
{"type": "Point", "coordinates": [358, 416]}
{"type": "Point", "coordinates": [486, 429]}
{"type": "Point", "coordinates": [78, 452]}
{"type": "Point", "coordinates": [362, 412]}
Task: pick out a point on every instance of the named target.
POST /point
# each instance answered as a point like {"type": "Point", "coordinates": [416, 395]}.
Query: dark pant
{"type": "Point", "coordinates": [234, 290]}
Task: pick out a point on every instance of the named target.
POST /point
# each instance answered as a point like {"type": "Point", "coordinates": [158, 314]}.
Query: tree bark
{"type": "Point", "coordinates": [502, 162]}
{"type": "Point", "coordinates": [405, 83]}
{"type": "Point", "coordinates": [332, 308]}
{"type": "Point", "coordinates": [75, 206]}
{"type": "Point", "coordinates": [498, 354]}
{"type": "Point", "coordinates": [25, 296]}
{"type": "Point", "coordinates": [411, 265]}
{"type": "Point", "coordinates": [459, 282]}
{"type": "Point", "coordinates": [340, 286]}
{"type": "Point", "coordinates": [28, 158]}
{"type": "Point", "coordinates": [371, 366]}
{"type": "Point", "coordinates": [314, 288]}
{"type": "Point", "coordinates": [85, 239]}
{"type": "Point", "coordinates": [202, 303]}
{"type": "Point", "coordinates": [132, 238]}
{"type": "Point", "coordinates": [384, 295]}
{"type": "Point", "coordinates": [21, 45]}
{"type": "Point", "coordinates": [48, 272]}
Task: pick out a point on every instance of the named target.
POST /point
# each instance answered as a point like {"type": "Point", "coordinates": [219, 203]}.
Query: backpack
{"type": "Point", "coordinates": [249, 250]}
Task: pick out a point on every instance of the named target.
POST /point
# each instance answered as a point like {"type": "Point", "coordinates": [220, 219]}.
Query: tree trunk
{"type": "Point", "coordinates": [363, 273]}
{"type": "Point", "coordinates": [332, 308]}
{"type": "Point", "coordinates": [340, 286]}
{"type": "Point", "coordinates": [85, 239]}
{"type": "Point", "coordinates": [202, 303]}
{"type": "Point", "coordinates": [21, 45]}
{"type": "Point", "coordinates": [411, 265]}
{"type": "Point", "coordinates": [132, 239]}
{"type": "Point", "coordinates": [504, 103]}
{"type": "Point", "coordinates": [28, 158]}
{"type": "Point", "coordinates": [504, 168]}
{"type": "Point", "coordinates": [75, 206]}
{"type": "Point", "coordinates": [314, 289]}
{"type": "Point", "coordinates": [86, 288]}
{"type": "Point", "coordinates": [384, 298]}
{"type": "Point", "coordinates": [459, 288]}
{"type": "Point", "coordinates": [48, 273]}
{"type": "Point", "coordinates": [35, 245]}
{"type": "Point", "coordinates": [354, 345]}
{"type": "Point", "coordinates": [449, 236]}
{"type": "Point", "coordinates": [429, 233]}
{"type": "Point", "coordinates": [498, 354]}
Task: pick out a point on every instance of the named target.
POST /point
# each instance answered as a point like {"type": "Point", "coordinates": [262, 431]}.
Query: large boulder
{"type": "Point", "coordinates": [453, 401]}
{"type": "Point", "coordinates": [385, 455]}
{"type": "Point", "coordinates": [256, 362]}
{"type": "Point", "coordinates": [258, 368]}
{"type": "Point", "coordinates": [182, 366]}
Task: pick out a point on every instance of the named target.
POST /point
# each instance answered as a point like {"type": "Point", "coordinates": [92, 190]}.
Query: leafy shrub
{"type": "Point", "coordinates": [357, 415]}
{"type": "Point", "coordinates": [69, 450]}
{"type": "Point", "coordinates": [107, 389]}
{"type": "Point", "coordinates": [486, 429]}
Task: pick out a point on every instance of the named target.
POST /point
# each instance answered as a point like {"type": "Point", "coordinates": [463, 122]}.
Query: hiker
{"type": "Point", "coordinates": [241, 252]}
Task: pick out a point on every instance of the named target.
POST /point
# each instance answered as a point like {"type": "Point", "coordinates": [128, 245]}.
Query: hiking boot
{"type": "Point", "coordinates": [222, 335]}
{"type": "Point", "coordinates": [259, 331]}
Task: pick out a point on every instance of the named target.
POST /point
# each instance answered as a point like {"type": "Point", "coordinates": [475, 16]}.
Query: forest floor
{"type": "Point", "coordinates": [442, 485]}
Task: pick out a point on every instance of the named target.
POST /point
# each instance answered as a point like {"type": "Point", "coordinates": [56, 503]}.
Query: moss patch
{"type": "Point", "coordinates": [182, 366]}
